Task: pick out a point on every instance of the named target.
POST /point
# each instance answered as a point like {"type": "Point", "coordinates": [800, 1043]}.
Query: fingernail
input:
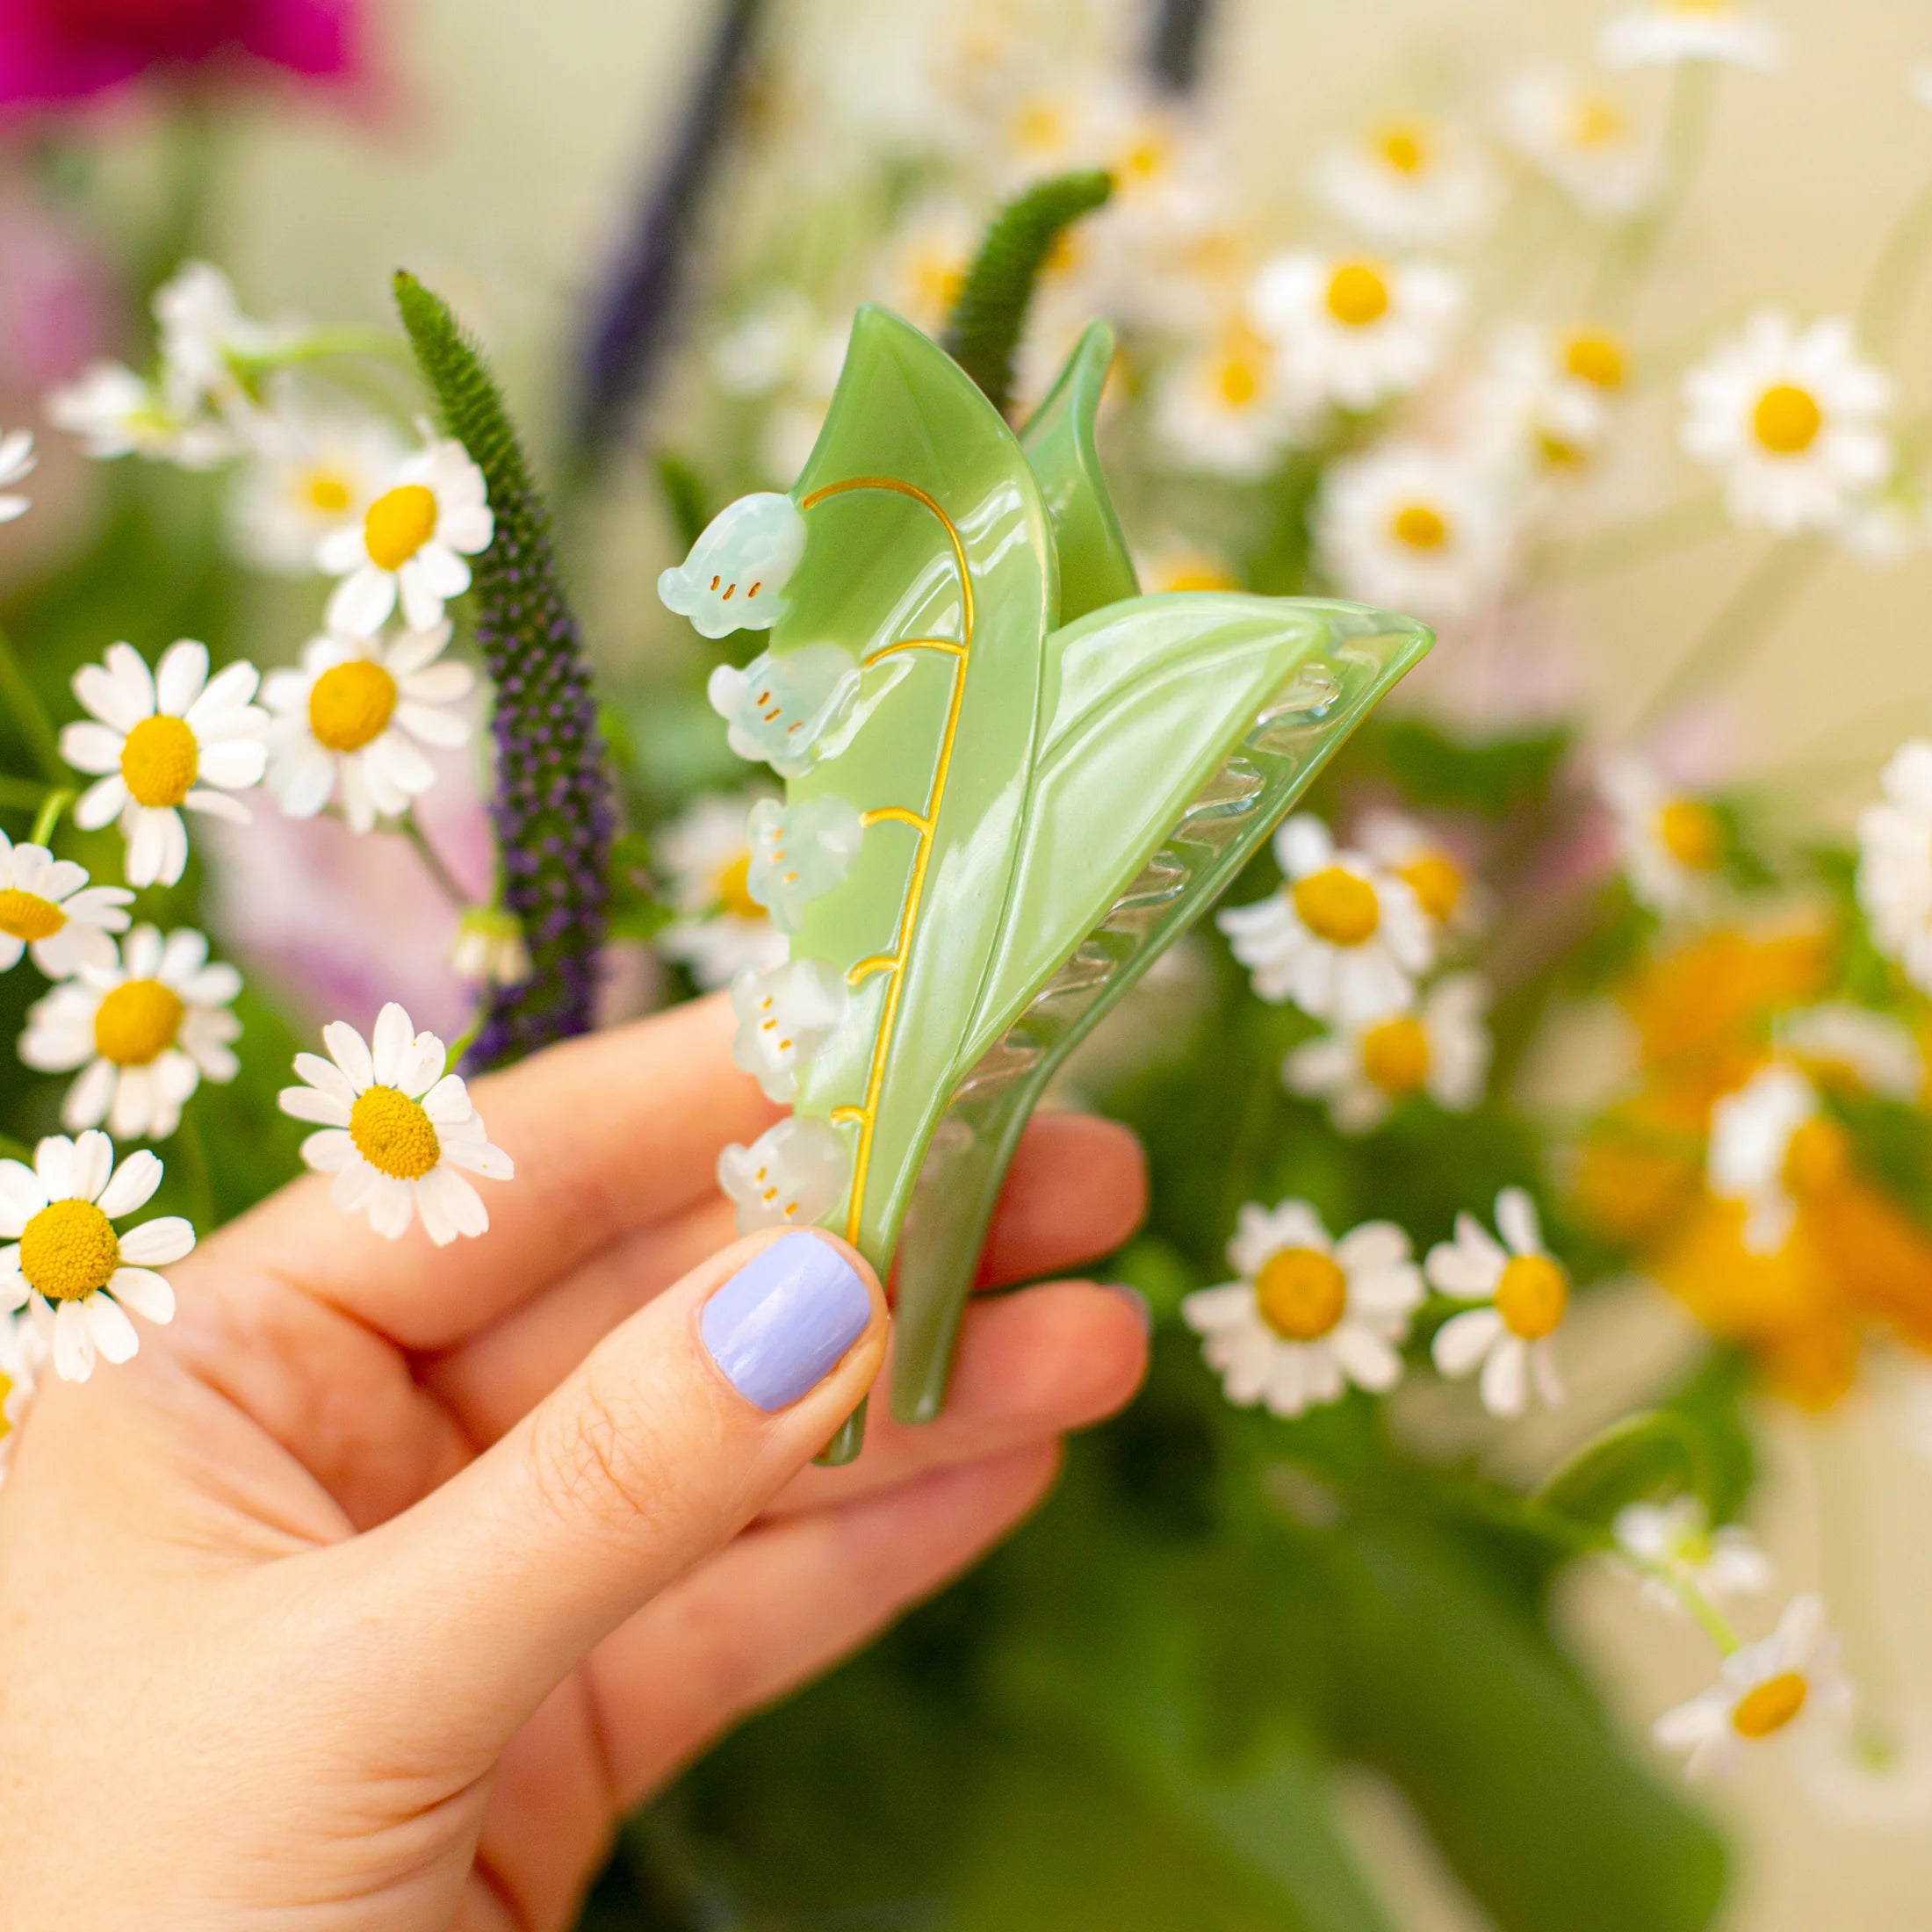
{"type": "Point", "coordinates": [1143, 1310]}
{"type": "Point", "coordinates": [779, 1325]}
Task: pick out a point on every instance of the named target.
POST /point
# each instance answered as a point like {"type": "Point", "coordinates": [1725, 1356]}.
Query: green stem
{"type": "Point", "coordinates": [1637, 540]}
{"type": "Point", "coordinates": [1715, 1625]}
{"type": "Point", "coordinates": [446, 881]}
{"type": "Point", "coordinates": [323, 344]}
{"type": "Point", "coordinates": [1739, 627]}
{"type": "Point", "coordinates": [16, 693]}
{"type": "Point", "coordinates": [1693, 103]}
{"type": "Point", "coordinates": [1888, 290]}
{"type": "Point", "coordinates": [192, 1153]}
{"type": "Point", "coordinates": [52, 807]}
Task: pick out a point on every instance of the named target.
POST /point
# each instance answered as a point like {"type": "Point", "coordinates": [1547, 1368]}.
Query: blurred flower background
{"type": "Point", "coordinates": [1590, 333]}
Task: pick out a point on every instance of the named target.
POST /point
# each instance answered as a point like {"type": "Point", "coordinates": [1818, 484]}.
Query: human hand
{"type": "Point", "coordinates": [377, 1587]}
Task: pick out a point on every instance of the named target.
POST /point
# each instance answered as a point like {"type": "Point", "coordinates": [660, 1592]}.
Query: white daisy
{"type": "Point", "coordinates": [1579, 138]}
{"type": "Point", "coordinates": [162, 739]}
{"type": "Point", "coordinates": [1793, 420]}
{"type": "Point", "coordinates": [410, 542]}
{"type": "Point", "coordinates": [1343, 939]}
{"type": "Point", "coordinates": [24, 1360]}
{"type": "Point", "coordinates": [1227, 408]}
{"type": "Point", "coordinates": [1309, 1316]}
{"type": "Point", "coordinates": [792, 1175]}
{"type": "Point", "coordinates": [1543, 402]}
{"type": "Point", "coordinates": [1410, 184]}
{"type": "Point", "coordinates": [351, 723]}
{"type": "Point", "coordinates": [1426, 864]}
{"type": "Point", "coordinates": [1672, 844]}
{"type": "Point", "coordinates": [1355, 331]}
{"type": "Point", "coordinates": [47, 906]}
{"type": "Point", "coordinates": [1528, 1294]}
{"type": "Point", "coordinates": [144, 1030]}
{"type": "Point", "coordinates": [785, 1014]}
{"type": "Point", "coordinates": [1663, 32]}
{"type": "Point", "coordinates": [316, 471]}
{"type": "Point", "coordinates": [17, 461]}
{"type": "Point", "coordinates": [735, 576]}
{"type": "Point", "coordinates": [203, 335]}
{"type": "Point", "coordinates": [784, 710]}
{"type": "Point", "coordinates": [116, 413]}
{"type": "Point", "coordinates": [1851, 1049]}
{"type": "Point", "coordinates": [67, 1267]}
{"type": "Point", "coordinates": [1765, 1689]}
{"type": "Point", "coordinates": [394, 1129]}
{"type": "Point", "coordinates": [1677, 1536]}
{"type": "Point", "coordinates": [1772, 1144]}
{"type": "Point", "coordinates": [1414, 529]}
{"type": "Point", "coordinates": [706, 857]}
{"type": "Point", "coordinates": [489, 949]}
{"type": "Point", "coordinates": [798, 853]}
{"type": "Point", "coordinates": [1895, 862]}
{"type": "Point", "coordinates": [1440, 1048]}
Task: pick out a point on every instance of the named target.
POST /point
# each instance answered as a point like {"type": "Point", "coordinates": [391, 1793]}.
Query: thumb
{"type": "Point", "coordinates": [676, 1431]}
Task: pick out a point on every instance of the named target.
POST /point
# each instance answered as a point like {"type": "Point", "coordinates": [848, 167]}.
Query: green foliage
{"type": "Point", "coordinates": [1441, 771]}
{"type": "Point", "coordinates": [982, 334]}
{"type": "Point", "coordinates": [1651, 1453]}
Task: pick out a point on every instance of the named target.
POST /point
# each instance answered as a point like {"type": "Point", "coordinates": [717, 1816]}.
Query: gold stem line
{"type": "Point", "coordinates": [896, 815]}
{"type": "Point", "coordinates": [866, 1116]}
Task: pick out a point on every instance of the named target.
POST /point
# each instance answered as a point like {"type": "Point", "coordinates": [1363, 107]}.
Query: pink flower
{"type": "Point", "coordinates": [68, 50]}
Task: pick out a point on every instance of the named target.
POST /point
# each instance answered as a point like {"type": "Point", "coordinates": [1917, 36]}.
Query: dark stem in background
{"type": "Point", "coordinates": [633, 313]}
{"type": "Point", "coordinates": [552, 807]}
{"type": "Point", "coordinates": [1177, 31]}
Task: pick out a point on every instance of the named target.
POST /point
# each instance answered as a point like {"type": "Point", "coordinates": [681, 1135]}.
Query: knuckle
{"type": "Point", "coordinates": [598, 1461]}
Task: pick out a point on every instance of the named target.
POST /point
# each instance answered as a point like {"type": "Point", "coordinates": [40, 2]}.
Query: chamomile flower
{"type": "Point", "coordinates": [1353, 330]}
{"type": "Point", "coordinates": [1526, 1291]}
{"type": "Point", "coordinates": [1440, 1048]}
{"type": "Point", "coordinates": [1227, 408]}
{"type": "Point", "coordinates": [315, 473]}
{"type": "Point", "coordinates": [1664, 33]}
{"type": "Point", "coordinates": [1793, 420]}
{"type": "Point", "coordinates": [394, 1129]}
{"type": "Point", "coordinates": [1895, 862]}
{"type": "Point", "coordinates": [144, 1030]}
{"type": "Point", "coordinates": [1579, 138]}
{"type": "Point", "coordinates": [1427, 865]}
{"type": "Point", "coordinates": [489, 949]}
{"type": "Point", "coordinates": [116, 413]}
{"type": "Point", "coordinates": [1848, 1048]}
{"type": "Point", "coordinates": [352, 723]}
{"type": "Point", "coordinates": [1766, 1689]}
{"type": "Point", "coordinates": [1410, 184]}
{"type": "Point", "coordinates": [926, 262]}
{"type": "Point", "coordinates": [785, 1014]}
{"type": "Point", "coordinates": [706, 856]}
{"type": "Point", "coordinates": [1342, 937]}
{"type": "Point", "coordinates": [1310, 1315]}
{"type": "Point", "coordinates": [203, 335]}
{"type": "Point", "coordinates": [1677, 1536]}
{"type": "Point", "coordinates": [47, 907]}
{"type": "Point", "coordinates": [165, 740]}
{"type": "Point", "coordinates": [17, 461]}
{"type": "Point", "coordinates": [1543, 401]}
{"type": "Point", "coordinates": [1772, 1144]}
{"type": "Point", "coordinates": [24, 1359]}
{"type": "Point", "coordinates": [1414, 529]}
{"type": "Point", "coordinates": [67, 1267]}
{"type": "Point", "coordinates": [792, 1175]}
{"type": "Point", "coordinates": [1671, 842]}
{"type": "Point", "coordinates": [411, 544]}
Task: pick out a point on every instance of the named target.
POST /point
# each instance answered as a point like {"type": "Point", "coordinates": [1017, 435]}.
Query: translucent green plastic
{"type": "Point", "coordinates": [1048, 804]}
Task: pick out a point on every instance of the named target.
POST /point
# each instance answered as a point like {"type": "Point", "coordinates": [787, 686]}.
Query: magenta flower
{"type": "Point", "coordinates": [68, 50]}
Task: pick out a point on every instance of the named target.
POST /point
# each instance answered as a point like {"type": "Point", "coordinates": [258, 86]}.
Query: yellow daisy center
{"type": "Point", "coordinates": [1689, 831]}
{"type": "Point", "coordinates": [1532, 1296]}
{"type": "Point", "coordinates": [1787, 418]}
{"type": "Point", "coordinates": [1242, 366]}
{"type": "Point", "coordinates": [1559, 453]}
{"type": "Point", "coordinates": [1145, 159]}
{"type": "Point", "coordinates": [27, 915]}
{"type": "Point", "coordinates": [1040, 126]}
{"type": "Point", "coordinates": [159, 762]}
{"type": "Point", "coordinates": [394, 1134]}
{"type": "Point", "coordinates": [398, 524]}
{"type": "Point", "coordinates": [734, 890]}
{"type": "Point", "coordinates": [1817, 1157]}
{"type": "Point", "coordinates": [1597, 359]}
{"type": "Point", "coordinates": [1437, 880]}
{"type": "Point", "coordinates": [937, 275]}
{"type": "Point", "coordinates": [1336, 905]}
{"type": "Point", "coordinates": [1194, 573]}
{"type": "Point", "coordinates": [349, 704]}
{"type": "Point", "coordinates": [1596, 121]}
{"type": "Point", "coordinates": [1302, 1293]}
{"type": "Point", "coordinates": [326, 491]}
{"type": "Point", "coordinates": [137, 1022]}
{"type": "Point", "coordinates": [1421, 526]}
{"type": "Point", "coordinates": [1395, 1055]}
{"type": "Point", "coordinates": [68, 1250]}
{"type": "Point", "coordinates": [1768, 1707]}
{"type": "Point", "coordinates": [1358, 294]}
{"type": "Point", "coordinates": [1406, 146]}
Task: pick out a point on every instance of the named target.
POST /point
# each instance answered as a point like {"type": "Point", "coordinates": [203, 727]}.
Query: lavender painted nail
{"type": "Point", "coordinates": [781, 1323]}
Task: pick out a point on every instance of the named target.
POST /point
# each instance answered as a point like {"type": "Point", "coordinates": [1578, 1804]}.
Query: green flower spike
{"type": "Point", "coordinates": [1054, 777]}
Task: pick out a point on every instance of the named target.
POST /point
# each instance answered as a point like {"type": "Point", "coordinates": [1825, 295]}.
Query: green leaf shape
{"type": "Point", "coordinates": [1095, 568]}
{"type": "Point", "coordinates": [1655, 1452]}
{"type": "Point", "coordinates": [983, 333]}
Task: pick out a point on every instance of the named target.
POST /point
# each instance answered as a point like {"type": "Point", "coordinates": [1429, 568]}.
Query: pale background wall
{"type": "Point", "coordinates": [505, 163]}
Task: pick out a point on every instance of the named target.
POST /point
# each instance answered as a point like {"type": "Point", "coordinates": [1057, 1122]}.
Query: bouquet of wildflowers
{"type": "Point", "coordinates": [1539, 1110]}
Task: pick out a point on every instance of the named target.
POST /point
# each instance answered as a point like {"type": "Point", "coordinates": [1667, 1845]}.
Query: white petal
{"type": "Point", "coordinates": [480, 1157]}
{"type": "Point", "coordinates": [448, 1102]}
{"type": "Point", "coordinates": [1463, 1340]}
{"type": "Point", "coordinates": [113, 1333]}
{"type": "Point", "coordinates": [235, 765]}
{"type": "Point", "coordinates": [1515, 1217]}
{"type": "Point", "coordinates": [422, 1065]}
{"type": "Point", "coordinates": [93, 1162]}
{"type": "Point", "coordinates": [331, 1152]}
{"type": "Point", "coordinates": [391, 1206]}
{"type": "Point", "coordinates": [179, 678]}
{"type": "Point", "coordinates": [149, 1294]}
{"type": "Point", "coordinates": [305, 1103]}
{"type": "Point", "coordinates": [1505, 1378]}
{"type": "Point", "coordinates": [351, 1052]}
{"type": "Point", "coordinates": [73, 1344]}
{"type": "Point", "coordinates": [92, 747]}
{"type": "Point", "coordinates": [100, 805]}
{"type": "Point", "coordinates": [228, 692]}
{"type": "Point", "coordinates": [393, 1037]}
{"type": "Point", "coordinates": [133, 1186]}
{"type": "Point", "coordinates": [326, 1077]}
{"type": "Point", "coordinates": [155, 1243]}
{"type": "Point", "coordinates": [362, 601]}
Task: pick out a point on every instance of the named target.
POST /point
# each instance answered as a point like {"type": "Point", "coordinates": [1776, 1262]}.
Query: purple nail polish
{"type": "Point", "coordinates": [779, 1326]}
